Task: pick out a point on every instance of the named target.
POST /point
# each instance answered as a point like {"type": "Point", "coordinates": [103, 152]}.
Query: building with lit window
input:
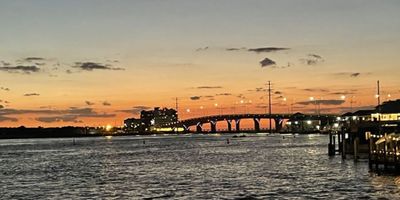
{"type": "Point", "coordinates": [132, 125]}
{"type": "Point", "coordinates": [158, 118]}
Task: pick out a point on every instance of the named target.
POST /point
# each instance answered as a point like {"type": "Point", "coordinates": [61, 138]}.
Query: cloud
{"type": "Point", "coordinates": [209, 87]}
{"type": "Point", "coordinates": [135, 110]}
{"type": "Point", "coordinates": [267, 62]}
{"type": "Point", "coordinates": [268, 49]}
{"type": "Point", "coordinates": [89, 103]}
{"type": "Point", "coordinates": [4, 63]}
{"type": "Point", "coordinates": [322, 102]}
{"type": "Point", "coordinates": [278, 92]}
{"type": "Point", "coordinates": [33, 59]}
{"type": "Point", "coordinates": [20, 69]}
{"type": "Point", "coordinates": [90, 66]}
{"type": "Point", "coordinates": [312, 59]}
{"type": "Point", "coordinates": [5, 89]}
{"type": "Point", "coordinates": [315, 56]}
{"type": "Point", "coordinates": [235, 49]}
{"type": "Point", "coordinates": [355, 74]}
{"type": "Point", "coordinates": [80, 112]}
{"type": "Point", "coordinates": [4, 118]}
{"type": "Point", "coordinates": [105, 103]}
{"type": "Point", "coordinates": [223, 94]}
{"type": "Point", "coordinates": [70, 115]}
{"type": "Point", "coordinates": [342, 93]}
{"type": "Point", "coordinates": [202, 49]}
{"type": "Point", "coordinates": [194, 98]}
{"type": "Point", "coordinates": [64, 118]}
{"type": "Point", "coordinates": [350, 74]}
{"type": "Point", "coordinates": [316, 90]}
{"type": "Point", "coordinates": [31, 94]}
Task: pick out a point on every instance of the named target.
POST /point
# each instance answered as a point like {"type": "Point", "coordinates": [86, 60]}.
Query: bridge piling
{"type": "Point", "coordinates": [213, 125]}
{"type": "Point", "coordinates": [256, 124]}
{"type": "Point", "coordinates": [237, 123]}
{"type": "Point", "coordinates": [229, 122]}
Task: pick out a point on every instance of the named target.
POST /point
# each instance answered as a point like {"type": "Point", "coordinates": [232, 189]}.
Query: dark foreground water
{"type": "Point", "coordinates": [185, 167]}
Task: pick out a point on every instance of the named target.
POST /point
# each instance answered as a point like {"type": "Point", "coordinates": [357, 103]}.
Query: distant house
{"type": "Point", "coordinates": [388, 111]}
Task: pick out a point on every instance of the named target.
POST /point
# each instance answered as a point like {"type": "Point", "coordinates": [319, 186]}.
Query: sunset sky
{"type": "Point", "coordinates": [97, 62]}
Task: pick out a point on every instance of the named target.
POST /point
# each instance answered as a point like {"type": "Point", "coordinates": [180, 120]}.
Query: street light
{"type": "Point", "coordinates": [315, 103]}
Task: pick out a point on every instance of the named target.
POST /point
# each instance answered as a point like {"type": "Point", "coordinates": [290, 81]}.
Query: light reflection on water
{"type": "Point", "coordinates": [185, 167]}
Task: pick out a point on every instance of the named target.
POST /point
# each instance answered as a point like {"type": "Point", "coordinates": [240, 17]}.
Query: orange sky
{"type": "Point", "coordinates": [110, 60]}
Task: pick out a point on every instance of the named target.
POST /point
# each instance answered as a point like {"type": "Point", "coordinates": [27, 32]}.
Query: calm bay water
{"type": "Point", "coordinates": [185, 167]}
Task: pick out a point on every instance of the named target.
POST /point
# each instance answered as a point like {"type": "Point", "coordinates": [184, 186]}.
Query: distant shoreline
{"type": "Point", "coordinates": [75, 132]}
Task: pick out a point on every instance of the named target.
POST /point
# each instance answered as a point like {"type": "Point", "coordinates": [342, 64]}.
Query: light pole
{"type": "Point", "coordinates": [315, 103]}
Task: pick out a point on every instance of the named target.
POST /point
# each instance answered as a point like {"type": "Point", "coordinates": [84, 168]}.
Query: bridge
{"type": "Point", "coordinates": [235, 119]}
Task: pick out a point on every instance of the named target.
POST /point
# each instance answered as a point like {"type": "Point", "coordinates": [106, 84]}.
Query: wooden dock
{"type": "Point", "coordinates": [377, 141]}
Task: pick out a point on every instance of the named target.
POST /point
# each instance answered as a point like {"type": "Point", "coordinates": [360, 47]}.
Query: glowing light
{"type": "Point", "coordinates": [317, 127]}
{"type": "Point", "coordinates": [354, 117]}
{"type": "Point", "coordinates": [309, 122]}
{"type": "Point", "coordinates": [284, 99]}
{"type": "Point", "coordinates": [343, 97]}
{"type": "Point", "coordinates": [389, 95]}
{"type": "Point", "coordinates": [201, 107]}
{"type": "Point", "coordinates": [241, 101]}
{"type": "Point", "coordinates": [336, 125]}
{"type": "Point", "coordinates": [188, 110]}
{"type": "Point", "coordinates": [312, 98]}
{"type": "Point", "coordinates": [108, 137]}
{"type": "Point", "coordinates": [108, 127]}
{"type": "Point", "coordinates": [377, 96]}
{"type": "Point", "coordinates": [216, 104]}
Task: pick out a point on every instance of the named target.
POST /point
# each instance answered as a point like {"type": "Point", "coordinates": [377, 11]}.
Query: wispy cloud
{"type": "Point", "coordinates": [106, 103]}
{"type": "Point", "coordinates": [90, 66]}
{"type": "Point", "coordinates": [71, 114]}
{"type": "Point", "coordinates": [194, 98]}
{"type": "Point", "coordinates": [202, 48]}
{"type": "Point", "coordinates": [312, 59]}
{"type": "Point", "coordinates": [4, 118]}
{"type": "Point", "coordinates": [268, 49]}
{"type": "Point", "coordinates": [316, 90]}
{"type": "Point", "coordinates": [33, 59]}
{"type": "Point", "coordinates": [63, 118]}
{"type": "Point", "coordinates": [208, 87]}
{"type": "Point", "coordinates": [349, 74]}
{"type": "Point", "coordinates": [135, 110]}
{"type": "Point", "coordinates": [224, 94]}
{"type": "Point", "coordinates": [20, 69]}
{"type": "Point", "coordinates": [322, 102]}
{"type": "Point", "coordinates": [5, 89]}
{"type": "Point", "coordinates": [31, 94]}
{"type": "Point", "coordinates": [89, 103]}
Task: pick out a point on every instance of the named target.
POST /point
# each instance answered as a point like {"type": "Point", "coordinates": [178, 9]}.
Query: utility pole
{"type": "Point", "coordinates": [269, 106]}
{"type": "Point", "coordinates": [378, 94]}
{"type": "Point", "coordinates": [176, 107]}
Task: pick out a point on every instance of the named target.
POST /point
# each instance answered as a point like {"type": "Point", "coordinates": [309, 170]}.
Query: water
{"type": "Point", "coordinates": [185, 167]}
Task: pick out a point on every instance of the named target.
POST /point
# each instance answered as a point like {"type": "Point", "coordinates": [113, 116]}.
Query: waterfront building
{"type": "Point", "coordinates": [158, 118]}
{"type": "Point", "coordinates": [132, 124]}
